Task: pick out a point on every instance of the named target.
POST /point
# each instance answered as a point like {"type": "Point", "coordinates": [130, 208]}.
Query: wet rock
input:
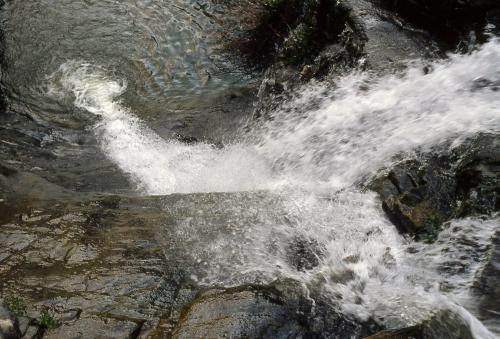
{"type": "Point", "coordinates": [291, 31]}
{"type": "Point", "coordinates": [405, 333]}
{"type": "Point", "coordinates": [478, 176]}
{"type": "Point", "coordinates": [24, 324]}
{"type": "Point", "coordinates": [419, 195]}
{"type": "Point", "coordinates": [376, 36]}
{"type": "Point", "coordinates": [486, 286]}
{"type": "Point", "coordinates": [249, 312]}
{"type": "Point", "coordinates": [112, 270]}
{"type": "Point", "coordinates": [94, 327]}
{"type": "Point", "coordinates": [281, 310]}
{"type": "Point", "coordinates": [81, 255]}
{"type": "Point", "coordinates": [441, 325]}
{"type": "Point", "coordinates": [29, 185]}
{"type": "Point", "coordinates": [450, 20]}
{"type": "Point", "coordinates": [117, 257]}
{"type": "Point", "coordinates": [362, 36]}
{"type": "Point", "coordinates": [304, 254]}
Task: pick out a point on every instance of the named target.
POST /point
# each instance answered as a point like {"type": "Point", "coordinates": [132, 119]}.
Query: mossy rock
{"type": "Point", "coordinates": [292, 31]}
{"type": "Point", "coordinates": [418, 196]}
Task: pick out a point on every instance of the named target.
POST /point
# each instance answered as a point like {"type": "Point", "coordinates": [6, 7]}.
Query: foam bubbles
{"type": "Point", "coordinates": [312, 159]}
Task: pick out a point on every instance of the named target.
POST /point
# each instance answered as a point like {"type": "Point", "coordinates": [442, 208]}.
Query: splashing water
{"type": "Point", "coordinates": [353, 134]}
{"type": "Point", "coordinates": [156, 165]}
{"type": "Point", "coordinates": [366, 121]}
{"type": "Point", "coordinates": [305, 155]}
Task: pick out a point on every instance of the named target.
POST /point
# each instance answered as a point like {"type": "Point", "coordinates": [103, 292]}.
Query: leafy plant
{"type": "Point", "coordinates": [48, 320]}
{"type": "Point", "coordinates": [255, 29]}
{"type": "Point", "coordinates": [293, 31]}
{"type": "Point", "coordinates": [16, 305]}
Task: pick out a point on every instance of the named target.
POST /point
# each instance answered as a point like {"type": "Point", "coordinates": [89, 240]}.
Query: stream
{"type": "Point", "coordinates": [105, 88]}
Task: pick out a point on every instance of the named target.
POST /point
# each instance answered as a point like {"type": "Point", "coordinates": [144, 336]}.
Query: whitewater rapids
{"type": "Point", "coordinates": [314, 159]}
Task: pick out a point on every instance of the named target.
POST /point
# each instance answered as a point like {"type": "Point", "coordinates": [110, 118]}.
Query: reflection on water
{"type": "Point", "coordinates": [164, 48]}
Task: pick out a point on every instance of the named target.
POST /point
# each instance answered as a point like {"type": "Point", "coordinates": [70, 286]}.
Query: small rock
{"type": "Point", "coordinates": [32, 332]}
{"type": "Point", "coordinates": [82, 254]}
{"type": "Point", "coordinates": [8, 324]}
{"type": "Point", "coordinates": [24, 324]}
{"type": "Point", "coordinates": [304, 254]}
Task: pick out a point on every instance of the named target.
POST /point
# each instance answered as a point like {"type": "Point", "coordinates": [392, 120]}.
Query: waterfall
{"type": "Point", "coordinates": [312, 159]}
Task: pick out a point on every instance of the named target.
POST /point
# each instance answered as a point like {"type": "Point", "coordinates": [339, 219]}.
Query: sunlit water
{"type": "Point", "coordinates": [312, 159]}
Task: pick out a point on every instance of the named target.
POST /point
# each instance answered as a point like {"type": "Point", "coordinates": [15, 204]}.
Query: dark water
{"type": "Point", "coordinates": [164, 50]}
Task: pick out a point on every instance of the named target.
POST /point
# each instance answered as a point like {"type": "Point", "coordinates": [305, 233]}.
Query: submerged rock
{"type": "Point", "coordinates": [442, 325]}
{"type": "Point", "coordinates": [487, 286]}
{"type": "Point", "coordinates": [304, 254]}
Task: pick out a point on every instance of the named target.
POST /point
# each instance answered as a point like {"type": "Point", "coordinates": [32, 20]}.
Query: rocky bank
{"type": "Point", "coordinates": [87, 265]}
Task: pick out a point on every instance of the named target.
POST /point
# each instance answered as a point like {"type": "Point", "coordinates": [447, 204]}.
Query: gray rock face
{"type": "Point", "coordinates": [366, 37]}
{"type": "Point", "coordinates": [384, 42]}
{"type": "Point", "coordinates": [8, 325]}
{"type": "Point", "coordinates": [117, 266]}
{"type": "Point", "coordinates": [96, 327]}
{"type": "Point", "coordinates": [239, 314]}
{"type": "Point", "coordinates": [418, 196]}
{"type": "Point", "coordinates": [281, 310]}
{"type": "Point", "coordinates": [94, 267]}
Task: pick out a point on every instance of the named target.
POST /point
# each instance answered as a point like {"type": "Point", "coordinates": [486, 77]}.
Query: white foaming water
{"type": "Point", "coordinates": [156, 165]}
{"type": "Point", "coordinates": [354, 133]}
{"type": "Point", "coordinates": [359, 130]}
{"type": "Point", "coordinates": [364, 124]}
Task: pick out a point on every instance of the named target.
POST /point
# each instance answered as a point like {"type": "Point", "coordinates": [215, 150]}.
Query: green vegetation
{"type": "Point", "coordinates": [48, 320]}
{"type": "Point", "coordinates": [16, 305]}
{"type": "Point", "coordinates": [263, 31]}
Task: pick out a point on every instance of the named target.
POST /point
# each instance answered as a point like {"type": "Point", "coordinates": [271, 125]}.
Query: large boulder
{"type": "Point", "coordinates": [419, 195]}
{"type": "Point", "coordinates": [240, 313]}
{"type": "Point", "coordinates": [361, 35]}
{"type": "Point", "coordinates": [281, 310]}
